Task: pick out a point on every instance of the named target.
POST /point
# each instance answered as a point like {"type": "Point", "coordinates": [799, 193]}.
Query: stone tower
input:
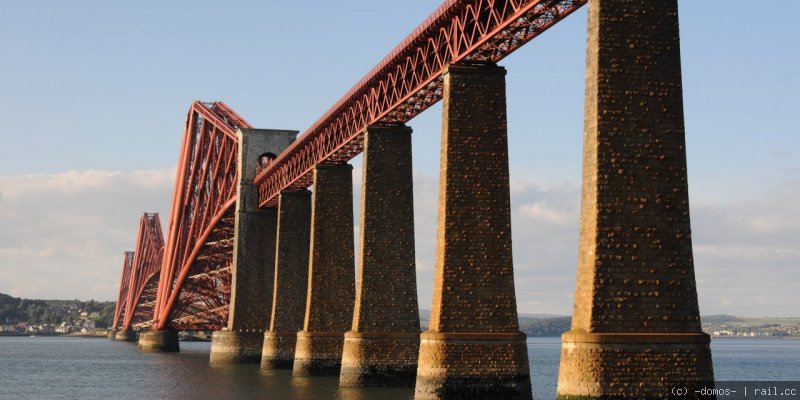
{"type": "Point", "coordinates": [636, 325]}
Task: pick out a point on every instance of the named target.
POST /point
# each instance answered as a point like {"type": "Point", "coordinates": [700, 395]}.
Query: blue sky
{"type": "Point", "coordinates": [93, 97]}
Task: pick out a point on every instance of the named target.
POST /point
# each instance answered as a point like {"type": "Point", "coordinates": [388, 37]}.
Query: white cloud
{"type": "Point", "coordinates": [544, 233]}
{"type": "Point", "coordinates": [543, 212]}
{"type": "Point", "coordinates": [62, 235]}
{"type": "Point", "coordinates": [544, 220]}
{"type": "Point", "coordinates": [747, 253]}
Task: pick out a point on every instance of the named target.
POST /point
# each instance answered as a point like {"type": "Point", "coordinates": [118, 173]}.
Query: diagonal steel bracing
{"type": "Point", "coordinates": [408, 80]}
{"type": "Point", "coordinates": [122, 298]}
{"type": "Point", "coordinates": [200, 238]}
{"type": "Point", "coordinates": [193, 287]}
{"type": "Point", "coordinates": [145, 265]}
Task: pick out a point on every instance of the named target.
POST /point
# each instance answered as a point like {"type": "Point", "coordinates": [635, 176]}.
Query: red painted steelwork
{"type": "Point", "coordinates": [194, 286]}
{"type": "Point", "coordinates": [122, 299]}
{"type": "Point", "coordinates": [146, 271]}
{"type": "Point", "coordinates": [408, 80]}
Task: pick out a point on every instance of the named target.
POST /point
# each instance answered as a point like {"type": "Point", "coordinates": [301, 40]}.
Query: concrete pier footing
{"type": "Point", "coordinates": [125, 335]}
{"type": "Point", "coordinates": [236, 347]}
{"type": "Point", "coordinates": [112, 334]}
{"type": "Point", "coordinates": [164, 341]}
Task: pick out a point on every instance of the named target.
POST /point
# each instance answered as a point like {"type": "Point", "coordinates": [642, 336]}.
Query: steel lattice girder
{"type": "Point", "coordinates": [145, 306]}
{"type": "Point", "coordinates": [408, 80]}
{"type": "Point", "coordinates": [201, 222]}
{"type": "Point", "coordinates": [122, 298]}
{"type": "Point", "coordinates": [146, 268]}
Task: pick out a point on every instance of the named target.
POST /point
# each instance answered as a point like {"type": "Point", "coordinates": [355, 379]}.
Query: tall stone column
{"type": "Point", "coordinates": [474, 349]}
{"type": "Point", "coordinates": [331, 273]}
{"type": "Point", "coordinates": [253, 255]}
{"type": "Point", "coordinates": [383, 346]}
{"type": "Point", "coordinates": [291, 280]}
{"type": "Point", "coordinates": [636, 325]}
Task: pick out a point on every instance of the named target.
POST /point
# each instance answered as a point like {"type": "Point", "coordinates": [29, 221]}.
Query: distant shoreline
{"type": "Point", "coordinates": [726, 337]}
{"type": "Point", "coordinates": [74, 335]}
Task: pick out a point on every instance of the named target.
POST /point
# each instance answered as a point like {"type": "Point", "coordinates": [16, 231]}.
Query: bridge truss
{"type": "Point", "coordinates": [196, 272]}
{"type": "Point", "coordinates": [124, 284]}
{"type": "Point", "coordinates": [409, 80]}
{"type": "Point", "coordinates": [146, 272]}
{"type": "Point", "coordinates": [194, 283]}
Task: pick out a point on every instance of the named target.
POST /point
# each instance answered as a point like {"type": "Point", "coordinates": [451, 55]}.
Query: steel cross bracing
{"type": "Point", "coordinates": [122, 299]}
{"type": "Point", "coordinates": [146, 270]}
{"type": "Point", "coordinates": [194, 289]}
{"type": "Point", "coordinates": [409, 80]}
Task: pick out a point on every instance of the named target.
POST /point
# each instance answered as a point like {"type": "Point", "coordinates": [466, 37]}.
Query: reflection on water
{"type": "Point", "coordinates": [69, 368]}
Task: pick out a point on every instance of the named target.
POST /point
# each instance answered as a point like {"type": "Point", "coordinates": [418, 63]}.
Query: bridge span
{"type": "Point", "coordinates": [268, 265]}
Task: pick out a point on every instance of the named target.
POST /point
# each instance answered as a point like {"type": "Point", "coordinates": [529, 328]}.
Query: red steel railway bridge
{"type": "Point", "coordinates": [268, 265]}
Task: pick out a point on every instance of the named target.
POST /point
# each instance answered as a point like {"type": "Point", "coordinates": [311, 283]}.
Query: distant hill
{"type": "Point", "coordinates": [720, 319]}
{"type": "Point", "coordinates": [542, 316]}
{"type": "Point", "coordinates": [549, 325]}
{"type": "Point", "coordinates": [15, 310]}
{"type": "Point", "coordinates": [544, 327]}
{"type": "Point", "coordinates": [533, 325]}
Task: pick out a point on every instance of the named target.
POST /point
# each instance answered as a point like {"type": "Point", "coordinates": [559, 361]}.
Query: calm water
{"type": "Point", "coordinates": [73, 368]}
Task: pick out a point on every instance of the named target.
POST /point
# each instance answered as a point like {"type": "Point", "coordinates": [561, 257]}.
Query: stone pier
{"type": "Point", "coordinates": [253, 255]}
{"type": "Point", "coordinates": [165, 341]}
{"type": "Point", "coordinates": [474, 349]}
{"type": "Point", "coordinates": [383, 346]}
{"type": "Point", "coordinates": [291, 280]}
{"type": "Point", "coordinates": [112, 334]}
{"type": "Point", "coordinates": [331, 281]}
{"type": "Point", "coordinates": [636, 324]}
{"type": "Point", "coordinates": [125, 335]}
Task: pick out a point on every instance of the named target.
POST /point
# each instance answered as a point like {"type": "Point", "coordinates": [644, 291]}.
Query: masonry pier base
{"type": "Point", "coordinates": [318, 354]}
{"type": "Point", "coordinates": [278, 350]}
{"type": "Point", "coordinates": [125, 335]}
{"type": "Point", "coordinates": [379, 359]}
{"type": "Point", "coordinates": [447, 366]}
{"type": "Point", "coordinates": [112, 334]}
{"type": "Point", "coordinates": [236, 347]}
{"type": "Point", "coordinates": [164, 341]}
{"type": "Point", "coordinates": [640, 365]}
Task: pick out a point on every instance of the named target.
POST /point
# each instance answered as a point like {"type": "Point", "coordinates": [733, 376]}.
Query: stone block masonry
{"type": "Point", "coordinates": [164, 341]}
{"type": "Point", "coordinates": [331, 274]}
{"type": "Point", "coordinates": [125, 335]}
{"type": "Point", "coordinates": [474, 349]}
{"type": "Point", "coordinates": [636, 323]}
{"type": "Point", "coordinates": [253, 255]}
{"type": "Point", "coordinates": [383, 346]}
{"type": "Point", "coordinates": [291, 279]}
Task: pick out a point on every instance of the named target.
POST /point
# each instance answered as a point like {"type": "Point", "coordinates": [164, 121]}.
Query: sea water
{"type": "Point", "coordinates": [77, 368]}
